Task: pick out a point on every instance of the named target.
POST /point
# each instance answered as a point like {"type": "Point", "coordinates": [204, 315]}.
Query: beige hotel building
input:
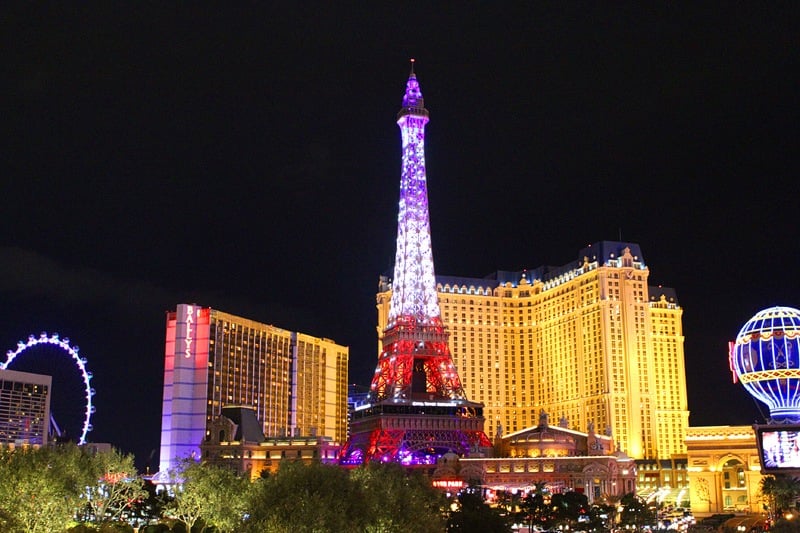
{"type": "Point", "coordinates": [591, 342]}
{"type": "Point", "coordinates": [295, 383]}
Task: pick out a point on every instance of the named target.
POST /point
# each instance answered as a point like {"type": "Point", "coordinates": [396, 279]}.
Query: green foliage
{"type": "Point", "coordinates": [634, 510]}
{"type": "Point", "coordinates": [568, 506]}
{"type": "Point", "coordinates": [118, 486]}
{"type": "Point", "coordinates": [395, 500]}
{"type": "Point", "coordinates": [785, 526]}
{"type": "Point", "coordinates": [209, 495]}
{"type": "Point", "coordinates": [82, 528]}
{"type": "Point", "coordinates": [781, 492]}
{"type": "Point", "coordinates": [596, 514]}
{"type": "Point", "coordinates": [155, 528]}
{"type": "Point", "coordinates": [318, 498]}
{"type": "Point", "coordinates": [305, 498]}
{"type": "Point", "coordinates": [41, 487]}
{"type": "Point", "coordinates": [43, 490]}
{"type": "Point", "coordinates": [475, 516]}
{"type": "Point", "coordinates": [115, 527]}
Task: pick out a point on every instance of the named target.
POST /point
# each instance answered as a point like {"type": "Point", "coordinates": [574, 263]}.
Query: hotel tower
{"type": "Point", "coordinates": [590, 342]}
{"type": "Point", "coordinates": [296, 383]}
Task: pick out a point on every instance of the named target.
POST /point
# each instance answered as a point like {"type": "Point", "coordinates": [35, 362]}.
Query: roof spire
{"type": "Point", "coordinates": [413, 103]}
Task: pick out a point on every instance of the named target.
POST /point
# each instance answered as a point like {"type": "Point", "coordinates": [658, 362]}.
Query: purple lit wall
{"type": "Point", "coordinates": [183, 416]}
{"type": "Point", "coordinates": [414, 284]}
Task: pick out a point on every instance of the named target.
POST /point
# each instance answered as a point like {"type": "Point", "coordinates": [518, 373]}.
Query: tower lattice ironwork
{"type": "Point", "coordinates": [417, 409]}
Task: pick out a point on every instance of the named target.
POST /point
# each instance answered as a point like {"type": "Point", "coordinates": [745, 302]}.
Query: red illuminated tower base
{"type": "Point", "coordinates": [420, 412]}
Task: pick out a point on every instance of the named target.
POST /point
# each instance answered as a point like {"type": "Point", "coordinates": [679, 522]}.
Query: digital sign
{"type": "Point", "coordinates": [778, 447]}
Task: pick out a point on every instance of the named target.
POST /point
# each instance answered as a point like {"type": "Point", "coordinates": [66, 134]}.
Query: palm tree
{"type": "Point", "coordinates": [781, 492]}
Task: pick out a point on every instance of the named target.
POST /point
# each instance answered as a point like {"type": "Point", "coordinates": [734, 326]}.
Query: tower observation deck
{"type": "Point", "coordinates": [417, 409]}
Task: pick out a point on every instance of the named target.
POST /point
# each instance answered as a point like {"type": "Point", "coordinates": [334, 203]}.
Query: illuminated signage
{"type": "Point", "coordinates": [189, 331]}
{"type": "Point", "coordinates": [448, 483]}
{"type": "Point", "coordinates": [779, 447]}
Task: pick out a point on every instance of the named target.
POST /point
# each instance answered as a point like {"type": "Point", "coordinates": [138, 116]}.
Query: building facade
{"type": "Point", "coordinates": [664, 482]}
{"type": "Point", "coordinates": [556, 457]}
{"type": "Point", "coordinates": [724, 470]}
{"type": "Point", "coordinates": [24, 408]}
{"type": "Point", "coordinates": [235, 440]}
{"type": "Point", "coordinates": [590, 341]}
{"type": "Point", "coordinates": [295, 383]}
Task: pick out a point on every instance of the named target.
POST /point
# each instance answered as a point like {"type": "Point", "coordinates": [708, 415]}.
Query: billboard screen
{"type": "Point", "coordinates": [778, 447]}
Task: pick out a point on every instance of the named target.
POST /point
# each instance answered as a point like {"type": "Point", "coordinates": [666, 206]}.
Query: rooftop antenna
{"type": "Point", "coordinates": [412, 66]}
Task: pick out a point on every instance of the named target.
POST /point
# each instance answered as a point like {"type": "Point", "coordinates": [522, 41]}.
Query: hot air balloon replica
{"type": "Point", "coordinates": [765, 358]}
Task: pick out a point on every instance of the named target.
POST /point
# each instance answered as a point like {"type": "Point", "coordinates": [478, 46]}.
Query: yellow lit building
{"type": "Point", "coordinates": [590, 341]}
{"type": "Point", "coordinates": [295, 383]}
{"type": "Point", "coordinates": [664, 482]}
{"type": "Point", "coordinates": [235, 440]}
{"type": "Point", "coordinates": [724, 470]}
{"type": "Point", "coordinates": [560, 458]}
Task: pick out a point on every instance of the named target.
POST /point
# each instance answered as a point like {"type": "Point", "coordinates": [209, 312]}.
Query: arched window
{"type": "Point", "coordinates": [733, 475]}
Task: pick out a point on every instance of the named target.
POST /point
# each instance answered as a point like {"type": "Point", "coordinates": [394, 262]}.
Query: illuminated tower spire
{"type": "Point", "coordinates": [416, 358]}
{"type": "Point", "coordinates": [415, 378]}
{"type": "Point", "coordinates": [414, 284]}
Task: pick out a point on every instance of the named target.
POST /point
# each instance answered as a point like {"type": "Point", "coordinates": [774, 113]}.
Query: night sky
{"type": "Point", "coordinates": [247, 158]}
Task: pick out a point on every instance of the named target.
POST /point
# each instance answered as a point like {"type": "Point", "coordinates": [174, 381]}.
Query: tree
{"type": "Point", "coordinates": [152, 506]}
{"type": "Point", "coordinates": [208, 495]}
{"type": "Point", "coordinates": [398, 501]}
{"type": "Point", "coordinates": [535, 507]}
{"type": "Point", "coordinates": [42, 487]}
{"type": "Point", "coordinates": [475, 516]}
{"type": "Point", "coordinates": [303, 497]}
{"type": "Point", "coordinates": [374, 498]}
{"type": "Point", "coordinates": [601, 517]}
{"type": "Point", "coordinates": [510, 502]}
{"type": "Point", "coordinates": [117, 488]}
{"type": "Point", "coordinates": [568, 506]}
{"type": "Point", "coordinates": [226, 504]}
{"type": "Point", "coordinates": [781, 492]}
{"type": "Point", "coordinates": [634, 510]}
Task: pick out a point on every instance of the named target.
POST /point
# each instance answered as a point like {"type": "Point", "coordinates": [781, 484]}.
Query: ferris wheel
{"type": "Point", "coordinates": [80, 362]}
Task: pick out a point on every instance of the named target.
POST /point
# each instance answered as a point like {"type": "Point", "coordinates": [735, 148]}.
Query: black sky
{"type": "Point", "coordinates": [247, 158]}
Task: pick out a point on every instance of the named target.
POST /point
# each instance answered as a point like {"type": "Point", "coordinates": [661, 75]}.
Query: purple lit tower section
{"type": "Point", "coordinates": [183, 415]}
{"type": "Point", "coordinates": [414, 284]}
{"type": "Point", "coordinates": [417, 409]}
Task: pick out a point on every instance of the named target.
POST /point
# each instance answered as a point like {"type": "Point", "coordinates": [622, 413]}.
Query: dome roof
{"type": "Point", "coordinates": [770, 320]}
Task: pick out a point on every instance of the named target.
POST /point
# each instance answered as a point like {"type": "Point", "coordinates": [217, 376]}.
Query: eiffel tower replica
{"type": "Point", "coordinates": [416, 410]}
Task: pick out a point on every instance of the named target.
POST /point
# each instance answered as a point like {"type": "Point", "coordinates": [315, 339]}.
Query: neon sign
{"type": "Point", "coordinates": [189, 323]}
{"type": "Point", "coordinates": [447, 483]}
